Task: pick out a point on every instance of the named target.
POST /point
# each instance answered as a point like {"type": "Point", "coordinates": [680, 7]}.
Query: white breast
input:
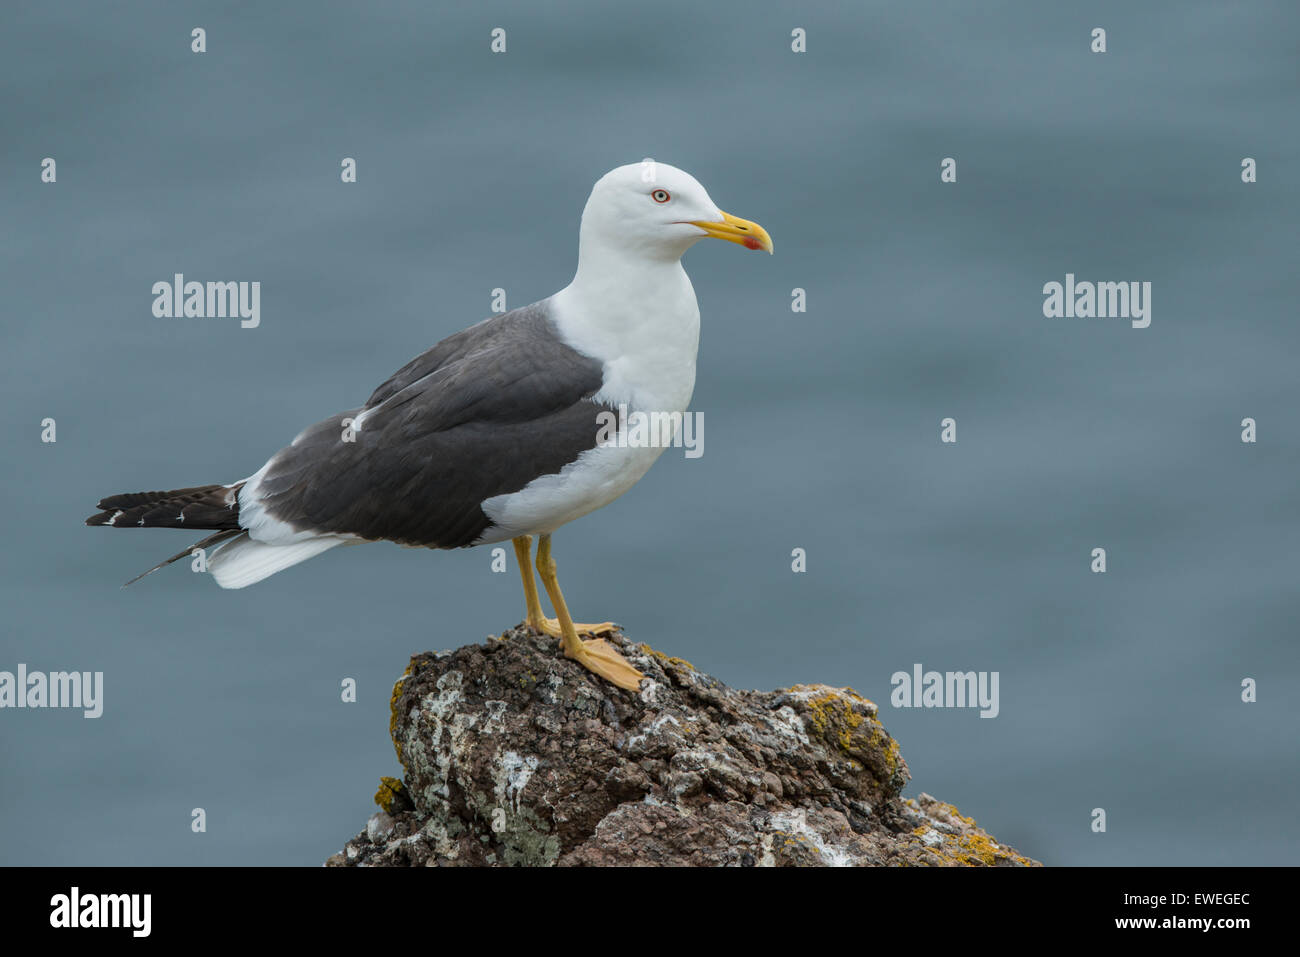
{"type": "Point", "coordinates": [645, 330]}
{"type": "Point", "coordinates": [595, 479]}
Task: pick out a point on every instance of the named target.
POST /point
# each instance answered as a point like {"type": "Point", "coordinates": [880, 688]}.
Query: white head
{"type": "Point", "coordinates": [655, 211]}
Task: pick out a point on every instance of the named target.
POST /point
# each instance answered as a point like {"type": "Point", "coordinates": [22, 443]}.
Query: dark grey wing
{"type": "Point", "coordinates": [483, 413]}
{"type": "Point", "coordinates": [456, 346]}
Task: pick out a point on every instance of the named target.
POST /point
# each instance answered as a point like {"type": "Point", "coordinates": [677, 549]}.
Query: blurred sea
{"type": "Point", "coordinates": [1119, 691]}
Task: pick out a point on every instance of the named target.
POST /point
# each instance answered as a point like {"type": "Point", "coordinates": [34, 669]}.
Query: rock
{"type": "Point", "coordinates": [379, 827]}
{"type": "Point", "coordinates": [515, 755]}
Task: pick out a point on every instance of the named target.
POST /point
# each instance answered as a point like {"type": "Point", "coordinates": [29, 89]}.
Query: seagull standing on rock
{"type": "Point", "coordinates": [497, 432]}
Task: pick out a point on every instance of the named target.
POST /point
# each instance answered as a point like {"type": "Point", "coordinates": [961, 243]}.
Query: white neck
{"type": "Point", "coordinates": [635, 312]}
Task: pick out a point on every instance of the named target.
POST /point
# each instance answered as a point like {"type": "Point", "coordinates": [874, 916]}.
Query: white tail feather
{"type": "Point", "coordinates": [243, 561]}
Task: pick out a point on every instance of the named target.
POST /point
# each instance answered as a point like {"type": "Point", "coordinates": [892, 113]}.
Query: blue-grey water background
{"type": "Point", "coordinates": [1119, 691]}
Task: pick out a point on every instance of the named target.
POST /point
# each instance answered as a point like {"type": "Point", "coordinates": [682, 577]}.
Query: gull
{"type": "Point", "coordinates": [499, 431]}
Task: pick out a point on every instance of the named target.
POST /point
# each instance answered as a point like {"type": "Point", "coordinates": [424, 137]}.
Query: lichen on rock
{"type": "Point", "coordinates": [515, 755]}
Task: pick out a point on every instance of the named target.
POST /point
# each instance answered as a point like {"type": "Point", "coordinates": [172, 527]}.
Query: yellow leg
{"type": "Point", "coordinates": [598, 655]}
{"type": "Point", "coordinates": [524, 556]}
{"type": "Point", "coordinates": [536, 620]}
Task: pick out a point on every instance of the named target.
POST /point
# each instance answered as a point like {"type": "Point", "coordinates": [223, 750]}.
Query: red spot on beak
{"type": "Point", "coordinates": [752, 243]}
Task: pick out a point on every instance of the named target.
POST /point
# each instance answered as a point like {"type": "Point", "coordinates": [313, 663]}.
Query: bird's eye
{"type": "Point", "coordinates": [660, 196]}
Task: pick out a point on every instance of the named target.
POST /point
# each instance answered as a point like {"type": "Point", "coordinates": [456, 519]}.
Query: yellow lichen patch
{"type": "Point", "coordinates": [893, 756]}
{"type": "Point", "coordinates": [389, 789]}
{"type": "Point", "coordinates": [804, 690]}
{"type": "Point", "coordinates": [974, 849]}
{"type": "Point", "coordinates": [848, 723]}
{"type": "Point", "coordinates": [392, 710]}
{"type": "Point", "coordinates": [792, 843]}
{"type": "Point", "coordinates": [834, 718]}
{"type": "Point", "coordinates": [679, 662]}
{"type": "Point", "coordinates": [956, 815]}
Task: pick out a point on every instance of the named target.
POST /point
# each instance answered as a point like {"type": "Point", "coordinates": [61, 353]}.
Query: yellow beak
{"type": "Point", "coordinates": [736, 230]}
